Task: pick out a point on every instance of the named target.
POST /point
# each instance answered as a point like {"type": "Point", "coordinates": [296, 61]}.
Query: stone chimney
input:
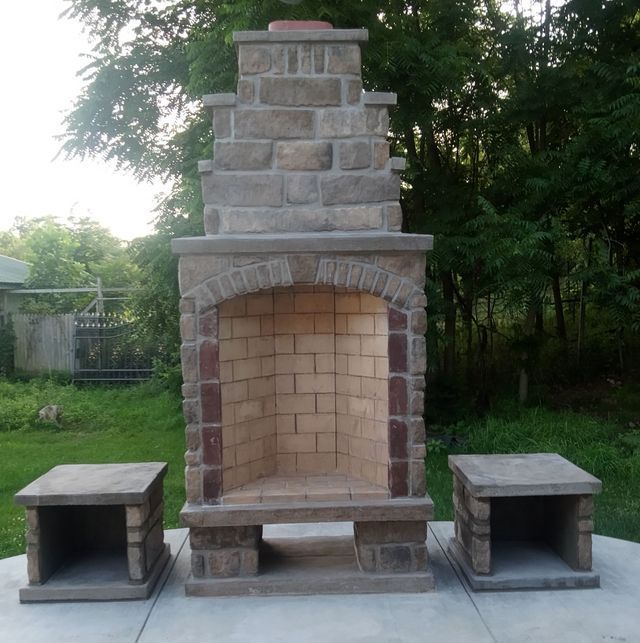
{"type": "Point", "coordinates": [302, 308]}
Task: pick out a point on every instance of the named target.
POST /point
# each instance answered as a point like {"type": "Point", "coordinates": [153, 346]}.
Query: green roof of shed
{"type": "Point", "coordinates": [13, 271]}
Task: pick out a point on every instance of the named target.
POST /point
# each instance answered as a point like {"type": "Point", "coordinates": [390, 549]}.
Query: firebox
{"type": "Point", "coordinates": [302, 321]}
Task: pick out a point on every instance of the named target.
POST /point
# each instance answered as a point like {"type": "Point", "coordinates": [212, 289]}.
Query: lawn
{"type": "Point", "coordinates": [144, 423]}
{"type": "Point", "coordinates": [128, 424]}
{"type": "Point", "coordinates": [606, 448]}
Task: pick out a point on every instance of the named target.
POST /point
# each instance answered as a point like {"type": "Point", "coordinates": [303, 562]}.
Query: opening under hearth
{"type": "Point", "coordinates": [304, 388]}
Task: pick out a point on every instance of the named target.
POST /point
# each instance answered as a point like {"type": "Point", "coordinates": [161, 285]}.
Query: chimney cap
{"type": "Point", "coordinates": [298, 25]}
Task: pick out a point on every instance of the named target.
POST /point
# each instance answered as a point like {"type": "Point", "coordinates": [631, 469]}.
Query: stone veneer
{"type": "Point", "coordinates": [215, 393]}
{"type": "Point", "coordinates": [302, 316]}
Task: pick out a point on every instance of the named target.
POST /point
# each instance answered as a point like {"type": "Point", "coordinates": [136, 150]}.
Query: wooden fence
{"type": "Point", "coordinates": [44, 343]}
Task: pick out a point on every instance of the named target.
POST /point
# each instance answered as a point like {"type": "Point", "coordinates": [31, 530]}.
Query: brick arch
{"type": "Point", "coordinates": [367, 277]}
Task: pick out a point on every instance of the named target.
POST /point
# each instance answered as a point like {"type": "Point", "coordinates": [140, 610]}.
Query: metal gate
{"type": "Point", "coordinates": [107, 349]}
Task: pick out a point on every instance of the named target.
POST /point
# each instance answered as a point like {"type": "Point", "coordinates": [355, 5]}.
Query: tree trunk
{"type": "Point", "coordinates": [582, 316]}
{"type": "Point", "coordinates": [449, 361]}
{"type": "Point", "coordinates": [523, 386]}
{"type": "Point", "coordinates": [561, 327]}
{"type": "Point", "coordinates": [528, 330]}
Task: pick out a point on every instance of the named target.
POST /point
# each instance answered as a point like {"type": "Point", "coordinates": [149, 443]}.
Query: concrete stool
{"type": "Point", "coordinates": [523, 521]}
{"type": "Point", "coordinates": [94, 532]}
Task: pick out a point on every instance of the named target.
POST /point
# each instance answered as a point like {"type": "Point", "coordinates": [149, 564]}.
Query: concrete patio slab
{"type": "Point", "coordinates": [451, 613]}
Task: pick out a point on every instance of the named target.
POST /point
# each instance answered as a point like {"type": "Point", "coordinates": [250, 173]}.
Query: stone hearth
{"type": "Point", "coordinates": [303, 316]}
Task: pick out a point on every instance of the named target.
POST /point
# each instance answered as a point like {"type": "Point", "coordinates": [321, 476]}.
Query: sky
{"type": "Point", "coordinates": [39, 57]}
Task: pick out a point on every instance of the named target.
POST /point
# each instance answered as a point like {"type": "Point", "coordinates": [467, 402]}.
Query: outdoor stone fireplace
{"type": "Point", "coordinates": [302, 319]}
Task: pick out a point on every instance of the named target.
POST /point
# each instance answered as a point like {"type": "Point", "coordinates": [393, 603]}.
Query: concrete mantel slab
{"type": "Point", "coordinates": [93, 484]}
{"type": "Point", "coordinates": [396, 509]}
{"type": "Point", "coordinates": [322, 242]}
{"type": "Point", "coordinates": [528, 474]}
{"type": "Point", "coordinates": [301, 35]}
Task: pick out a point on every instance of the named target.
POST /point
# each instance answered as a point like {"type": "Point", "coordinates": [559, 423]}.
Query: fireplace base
{"type": "Point", "coordinates": [305, 566]}
{"type": "Point", "coordinates": [387, 553]}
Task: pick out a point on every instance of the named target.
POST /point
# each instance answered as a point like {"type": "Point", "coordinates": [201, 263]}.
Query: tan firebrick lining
{"type": "Point", "coordinates": [304, 375]}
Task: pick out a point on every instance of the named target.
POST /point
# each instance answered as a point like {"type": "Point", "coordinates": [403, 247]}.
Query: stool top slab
{"type": "Point", "coordinates": [529, 474]}
{"type": "Point", "coordinates": [93, 484]}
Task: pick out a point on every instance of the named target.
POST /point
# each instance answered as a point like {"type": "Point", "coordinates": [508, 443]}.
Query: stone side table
{"type": "Point", "coordinates": [94, 532]}
{"type": "Point", "coordinates": [523, 521]}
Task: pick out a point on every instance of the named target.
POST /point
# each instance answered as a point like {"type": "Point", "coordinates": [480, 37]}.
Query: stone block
{"type": "Point", "coordinates": [302, 188]}
{"type": "Point", "coordinates": [398, 397]}
{"type": "Point", "coordinates": [300, 92]}
{"type": "Point", "coordinates": [189, 362]}
{"type": "Point", "coordinates": [301, 220]}
{"type": "Point", "coordinates": [354, 91]}
{"type": "Point", "coordinates": [273, 124]}
{"type": "Point", "coordinates": [398, 353]}
{"type": "Point", "coordinates": [224, 562]}
{"type": "Point", "coordinates": [354, 155]}
{"type": "Point", "coordinates": [397, 439]}
{"type": "Point", "coordinates": [242, 155]}
{"type": "Point", "coordinates": [343, 59]}
{"type": "Point", "coordinates": [380, 98]}
{"type": "Point", "coordinates": [398, 479]}
{"type": "Point", "coordinates": [365, 188]}
{"type": "Point", "coordinates": [243, 189]}
{"type": "Point", "coordinates": [254, 60]}
{"type": "Point", "coordinates": [245, 91]}
{"type": "Point", "coordinates": [380, 533]}
{"type": "Point", "coordinates": [224, 537]}
{"type": "Point", "coordinates": [318, 59]}
{"type": "Point", "coordinates": [417, 478]}
{"type": "Point", "coordinates": [137, 562]}
{"type": "Point", "coordinates": [303, 268]}
{"type": "Point", "coordinates": [342, 123]}
{"type": "Point", "coordinates": [304, 156]}
{"type": "Point", "coordinates": [397, 164]}
{"type": "Point", "coordinates": [211, 220]}
{"type": "Point", "coordinates": [211, 440]}
{"type": "Point", "coordinates": [222, 123]}
{"type": "Point", "coordinates": [211, 484]}
{"type": "Point", "coordinates": [380, 155]}
{"type": "Point", "coordinates": [395, 558]}
{"type": "Point", "coordinates": [377, 121]}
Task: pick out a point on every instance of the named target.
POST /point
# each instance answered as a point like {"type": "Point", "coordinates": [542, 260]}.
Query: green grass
{"type": "Point", "coordinates": [605, 448]}
{"type": "Point", "coordinates": [144, 423]}
{"type": "Point", "coordinates": [132, 424]}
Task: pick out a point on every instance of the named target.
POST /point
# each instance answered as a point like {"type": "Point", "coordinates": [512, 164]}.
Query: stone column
{"type": "Point", "coordinates": [391, 547]}
{"type": "Point", "coordinates": [224, 551]}
{"type": "Point", "coordinates": [472, 527]}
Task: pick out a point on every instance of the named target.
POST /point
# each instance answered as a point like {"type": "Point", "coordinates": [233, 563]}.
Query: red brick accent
{"type": "Point", "coordinates": [398, 403]}
{"type": "Point", "coordinates": [209, 323]}
{"type": "Point", "coordinates": [397, 319]}
{"type": "Point", "coordinates": [212, 445]}
{"type": "Point", "coordinates": [397, 439]}
{"type": "Point", "coordinates": [398, 479]}
{"type": "Point", "coordinates": [209, 361]}
{"type": "Point", "coordinates": [210, 401]}
{"type": "Point", "coordinates": [211, 484]}
{"type": "Point", "coordinates": [397, 353]}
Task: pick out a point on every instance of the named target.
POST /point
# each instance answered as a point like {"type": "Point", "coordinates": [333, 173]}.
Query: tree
{"type": "Point", "coordinates": [69, 255]}
{"type": "Point", "coordinates": [519, 127]}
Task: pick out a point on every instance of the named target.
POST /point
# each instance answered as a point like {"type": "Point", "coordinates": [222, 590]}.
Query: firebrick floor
{"type": "Point", "coordinates": [451, 614]}
{"type": "Point", "coordinates": [294, 487]}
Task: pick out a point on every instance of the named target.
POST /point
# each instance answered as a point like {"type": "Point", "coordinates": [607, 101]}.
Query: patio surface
{"type": "Point", "coordinates": [451, 614]}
